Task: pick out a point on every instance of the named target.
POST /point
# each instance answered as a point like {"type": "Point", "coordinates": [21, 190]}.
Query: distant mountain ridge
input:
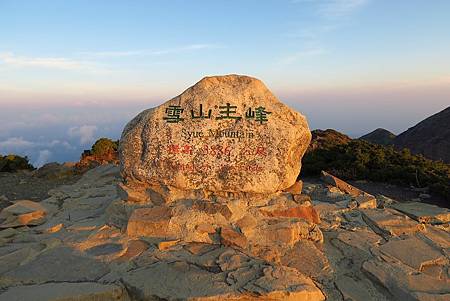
{"type": "Point", "coordinates": [379, 136]}
{"type": "Point", "coordinates": [357, 159]}
{"type": "Point", "coordinates": [430, 137]}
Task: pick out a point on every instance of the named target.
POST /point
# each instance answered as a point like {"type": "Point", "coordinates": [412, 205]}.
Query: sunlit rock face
{"type": "Point", "coordinates": [223, 248]}
{"type": "Point", "coordinates": [224, 134]}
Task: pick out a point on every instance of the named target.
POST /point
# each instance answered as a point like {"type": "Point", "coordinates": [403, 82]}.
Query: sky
{"type": "Point", "coordinates": [75, 71]}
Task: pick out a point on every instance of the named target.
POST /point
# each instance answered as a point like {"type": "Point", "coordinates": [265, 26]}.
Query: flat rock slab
{"type": "Point", "coordinates": [424, 213]}
{"type": "Point", "coordinates": [224, 134]}
{"type": "Point", "coordinates": [17, 255]}
{"type": "Point", "coordinates": [104, 249]}
{"type": "Point", "coordinates": [362, 239]}
{"type": "Point", "coordinates": [282, 234]}
{"type": "Point", "coordinates": [366, 201]}
{"type": "Point", "coordinates": [307, 259]}
{"type": "Point", "coordinates": [153, 222]}
{"type": "Point", "coordinates": [390, 222]}
{"type": "Point", "coordinates": [404, 284]}
{"type": "Point", "coordinates": [341, 184]}
{"type": "Point", "coordinates": [176, 281]}
{"type": "Point", "coordinates": [134, 248]}
{"type": "Point", "coordinates": [438, 237]}
{"type": "Point", "coordinates": [413, 252]}
{"type": "Point", "coordinates": [230, 237]}
{"type": "Point", "coordinates": [352, 289]}
{"type": "Point", "coordinates": [23, 213]}
{"type": "Point", "coordinates": [23, 207]}
{"type": "Point", "coordinates": [183, 281]}
{"type": "Point", "coordinates": [86, 291]}
{"type": "Point", "coordinates": [305, 212]}
{"type": "Point", "coordinates": [60, 264]}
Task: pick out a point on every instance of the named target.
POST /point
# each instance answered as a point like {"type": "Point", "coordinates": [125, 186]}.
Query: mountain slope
{"type": "Point", "coordinates": [379, 136]}
{"type": "Point", "coordinates": [430, 137]}
{"type": "Point", "coordinates": [325, 139]}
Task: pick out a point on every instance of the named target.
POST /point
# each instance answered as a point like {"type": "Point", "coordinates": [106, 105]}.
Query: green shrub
{"type": "Point", "coordinates": [103, 147]}
{"type": "Point", "coordinates": [13, 163]}
{"type": "Point", "coordinates": [361, 160]}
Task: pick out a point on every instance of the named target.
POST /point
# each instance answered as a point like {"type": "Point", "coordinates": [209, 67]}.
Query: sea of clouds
{"type": "Point", "coordinates": [60, 134]}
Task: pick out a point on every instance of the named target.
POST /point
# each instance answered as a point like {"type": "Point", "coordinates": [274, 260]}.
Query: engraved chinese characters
{"type": "Point", "coordinates": [225, 133]}
{"type": "Point", "coordinates": [173, 113]}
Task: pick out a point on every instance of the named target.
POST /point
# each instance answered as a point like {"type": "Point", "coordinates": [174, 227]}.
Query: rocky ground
{"type": "Point", "coordinates": [396, 192]}
{"type": "Point", "coordinates": [33, 185]}
{"type": "Point", "coordinates": [402, 193]}
{"type": "Point", "coordinates": [84, 242]}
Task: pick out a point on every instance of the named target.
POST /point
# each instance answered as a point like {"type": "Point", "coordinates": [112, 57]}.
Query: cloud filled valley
{"type": "Point", "coordinates": [60, 134]}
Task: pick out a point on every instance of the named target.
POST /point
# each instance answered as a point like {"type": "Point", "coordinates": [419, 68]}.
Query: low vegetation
{"type": "Point", "coordinates": [326, 139]}
{"type": "Point", "coordinates": [362, 160]}
{"type": "Point", "coordinates": [103, 151]}
{"type": "Point", "coordinates": [13, 163]}
{"type": "Point", "coordinates": [103, 147]}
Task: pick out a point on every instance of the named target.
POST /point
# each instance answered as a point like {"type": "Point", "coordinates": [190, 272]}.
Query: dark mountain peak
{"type": "Point", "coordinates": [379, 136]}
{"type": "Point", "coordinates": [430, 137]}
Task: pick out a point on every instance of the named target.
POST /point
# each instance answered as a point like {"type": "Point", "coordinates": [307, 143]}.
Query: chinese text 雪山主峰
{"type": "Point", "coordinates": [227, 111]}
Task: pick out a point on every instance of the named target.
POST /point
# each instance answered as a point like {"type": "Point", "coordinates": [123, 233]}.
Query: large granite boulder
{"type": "Point", "coordinates": [224, 134]}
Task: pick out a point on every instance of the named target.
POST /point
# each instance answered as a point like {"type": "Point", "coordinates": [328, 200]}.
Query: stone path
{"type": "Point", "coordinates": [83, 248]}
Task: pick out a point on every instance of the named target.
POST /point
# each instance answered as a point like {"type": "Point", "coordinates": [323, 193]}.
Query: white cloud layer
{"type": "Point", "coordinates": [44, 157]}
{"type": "Point", "coordinates": [302, 54]}
{"type": "Point", "coordinates": [334, 8]}
{"type": "Point", "coordinates": [57, 142]}
{"type": "Point", "coordinates": [10, 59]}
{"type": "Point", "coordinates": [85, 133]}
{"type": "Point", "coordinates": [340, 8]}
{"type": "Point", "coordinates": [149, 52]}
{"type": "Point", "coordinates": [13, 143]}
